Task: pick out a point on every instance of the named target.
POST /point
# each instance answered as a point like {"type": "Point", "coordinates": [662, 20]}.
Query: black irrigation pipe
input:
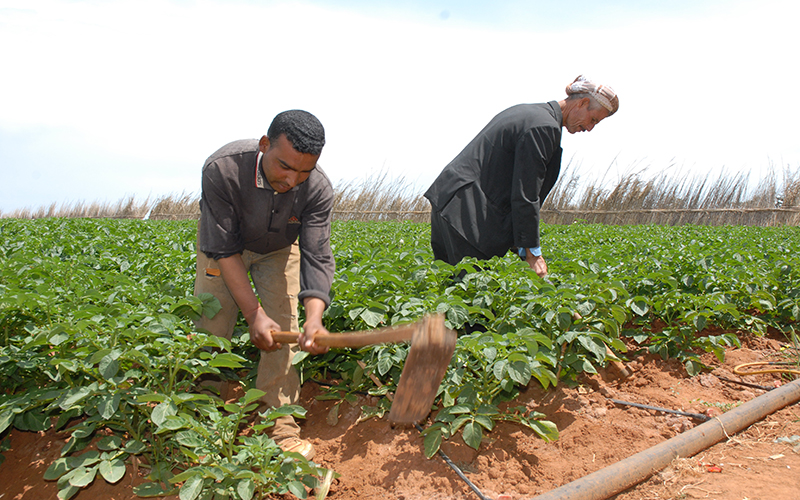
{"type": "Point", "coordinates": [698, 416]}
{"type": "Point", "coordinates": [746, 384]}
{"type": "Point", "coordinates": [455, 468]}
{"type": "Point", "coordinates": [440, 452]}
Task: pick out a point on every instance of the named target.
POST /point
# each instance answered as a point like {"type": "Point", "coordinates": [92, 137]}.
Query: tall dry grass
{"type": "Point", "coordinates": [183, 206]}
{"type": "Point", "coordinates": [127, 208]}
{"type": "Point", "coordinates": [677, 198]}
{"type": "Point", "coordinates": [380, 197]}
{"type": "Point", "coordinates": [635, 198]}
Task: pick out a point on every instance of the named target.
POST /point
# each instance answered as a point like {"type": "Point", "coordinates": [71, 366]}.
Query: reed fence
{"type": "Point", "coordinates": [635, 199]}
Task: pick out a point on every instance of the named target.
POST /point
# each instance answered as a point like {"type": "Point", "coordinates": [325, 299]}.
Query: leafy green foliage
{"type": "Point", "coordinates": [664, 288]}
{"type": "Point", "coordinates": [98, 337]}
{"type": "Point", "coordinates": [96, 334]}
{"type": "Point", "coordinates": [249, 466]}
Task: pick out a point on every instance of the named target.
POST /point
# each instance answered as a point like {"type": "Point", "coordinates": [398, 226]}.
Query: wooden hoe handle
{"type": "Point", "coordinates": [355, 339]}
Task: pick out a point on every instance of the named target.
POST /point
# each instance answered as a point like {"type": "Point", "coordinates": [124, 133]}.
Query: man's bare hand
{"type": "Point", "coordinates": [313, 326]}
{"type": "Point", "coordinates": [307, 339]}
{"type": "Point", "coordinates": [537, 264]}
{"type": "Point", "coordinates": [261, 328]}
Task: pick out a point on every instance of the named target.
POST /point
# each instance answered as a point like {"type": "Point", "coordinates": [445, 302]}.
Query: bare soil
{"type": "Point", "coordinates": [378, 460]}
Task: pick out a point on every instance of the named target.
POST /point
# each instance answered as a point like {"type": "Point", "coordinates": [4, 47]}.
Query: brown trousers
{"type": "Point", "coordinates": [276, 277]}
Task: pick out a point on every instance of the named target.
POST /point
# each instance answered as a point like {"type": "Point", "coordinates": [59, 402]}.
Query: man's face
{"type": "Point", "coordinates": [283, 166]}
{"type": "Point", "coordinates": [583, 120]}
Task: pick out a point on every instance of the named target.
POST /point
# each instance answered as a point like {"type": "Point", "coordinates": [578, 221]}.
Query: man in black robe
{"type": "Point", "coordinates": [487, 200]}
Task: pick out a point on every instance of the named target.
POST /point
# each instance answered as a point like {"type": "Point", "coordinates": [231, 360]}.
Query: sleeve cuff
{"type": "Point", "coordinates": [535, 251]}
{"type": "Point", "coordinates": [314, 293]}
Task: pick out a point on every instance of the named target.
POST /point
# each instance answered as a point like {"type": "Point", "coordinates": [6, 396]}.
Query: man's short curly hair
{"type": "Point", "coordinates": [303, 130]}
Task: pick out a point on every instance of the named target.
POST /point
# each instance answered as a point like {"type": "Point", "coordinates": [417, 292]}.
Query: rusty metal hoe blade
{"type": "Point", "coordinates": [432, 347]}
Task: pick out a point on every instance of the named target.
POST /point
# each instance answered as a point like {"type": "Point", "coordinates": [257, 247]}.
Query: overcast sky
{"type": "Point", "coordinates": [100, 100]}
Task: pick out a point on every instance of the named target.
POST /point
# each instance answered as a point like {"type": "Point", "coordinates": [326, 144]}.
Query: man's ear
{"type": "Point", "coordinates": [263, 144]}
{"type": "Point", "coordinates": [584, 102]}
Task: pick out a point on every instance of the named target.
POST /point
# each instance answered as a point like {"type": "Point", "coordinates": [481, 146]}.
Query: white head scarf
{"type": "Point", "coordinates": [603, 94]}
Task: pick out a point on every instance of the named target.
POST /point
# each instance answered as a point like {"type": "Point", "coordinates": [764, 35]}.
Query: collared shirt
{"type": "Point", "coordinates": [239, 211]}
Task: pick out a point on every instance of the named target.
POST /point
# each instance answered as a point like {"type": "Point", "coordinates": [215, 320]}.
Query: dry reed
{"type": "Point", "coordinates": [380, 198]}
{"type": "Point", "coordinates": [679, 199]}
{"type": "Point", "coordinates": [184, 206]}
{"type": "Point", "coordinates": [634, 199]}
{"type": "Point", "coordinates": [127, 208]}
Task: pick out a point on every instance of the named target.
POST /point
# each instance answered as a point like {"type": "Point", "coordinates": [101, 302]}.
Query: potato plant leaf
{"type": "Point", "coordinates": [472, 435]}
{"type": "Point", "coordinates": [297, 488]}
{"type": "Point", "coordinates": [112, 470]}
{"type": "Point", "coordinates": [83, 476]}
{"type": "Point", "coordinates": [191, 488]}
{"type": "Point", "coordinates": [246, 488]}
{"type": "Point", "coordinates": [432, 442]}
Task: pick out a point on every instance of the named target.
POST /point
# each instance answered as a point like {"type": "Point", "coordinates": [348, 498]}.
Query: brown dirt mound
{"type": "Point", "coordinates": [378, 460]}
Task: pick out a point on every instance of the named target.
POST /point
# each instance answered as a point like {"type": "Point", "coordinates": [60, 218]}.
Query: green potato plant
{"type": "Point", "coordinates": [97, 338]}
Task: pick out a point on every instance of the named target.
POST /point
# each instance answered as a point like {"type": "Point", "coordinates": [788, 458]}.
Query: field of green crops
{"type": "Point", "coordinates": [96, 335]}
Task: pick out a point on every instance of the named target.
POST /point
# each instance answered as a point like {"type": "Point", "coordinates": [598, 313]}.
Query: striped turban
{"type": "Point", "coordinates": [604, 95]}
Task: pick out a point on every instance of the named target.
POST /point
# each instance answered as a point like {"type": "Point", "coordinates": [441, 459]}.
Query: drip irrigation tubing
{"type": "Point", "coordinates": [439, 452]}
{"type": "Point", "coordinates": [746, 384]}
{"type": "Point", "coordinates": [456, 469]}
{"type": "Point", "coordinates": [697, 416]}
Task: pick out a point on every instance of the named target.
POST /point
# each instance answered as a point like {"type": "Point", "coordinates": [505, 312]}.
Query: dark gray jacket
{"type": "Point", "coordinates": [491, 193]}
{"type": "Point", "coordinates": [240, 211]}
